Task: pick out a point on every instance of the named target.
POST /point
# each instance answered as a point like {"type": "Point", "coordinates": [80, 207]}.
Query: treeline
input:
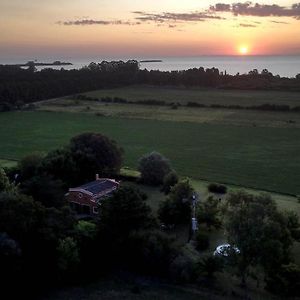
{"type": "Point", "coordinates": [19, 86]}
{"type": "Point", "coordinates": [176, 105]}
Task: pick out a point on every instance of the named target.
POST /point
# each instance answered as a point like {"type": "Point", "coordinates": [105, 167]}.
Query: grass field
{"type": "Point", "coordinates": [260, 157]}
{"type": "Point", "coordinates": [182, 114]}
{"type": "Point", "coordinates": [204, 96]}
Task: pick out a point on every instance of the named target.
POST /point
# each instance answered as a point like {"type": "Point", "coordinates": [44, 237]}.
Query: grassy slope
{"type": "Point", "coordinates": [264, 158]}
{"type": "Point", "coordinates": [205, 96]}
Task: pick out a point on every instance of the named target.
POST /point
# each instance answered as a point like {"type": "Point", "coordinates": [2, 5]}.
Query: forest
{"type": "Point", "coordinates": [19, 86]}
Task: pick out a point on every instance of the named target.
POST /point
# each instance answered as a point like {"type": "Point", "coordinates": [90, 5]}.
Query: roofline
{"type": "Point", "coordinates": [80, 190]}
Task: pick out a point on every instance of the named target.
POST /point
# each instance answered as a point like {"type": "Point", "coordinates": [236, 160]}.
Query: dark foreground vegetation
{"type": "Point", "coordinates": [19, 86]}
{"type": "Point", "coordinates": [43, 245]}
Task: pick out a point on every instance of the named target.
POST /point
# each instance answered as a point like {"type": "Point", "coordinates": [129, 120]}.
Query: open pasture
{"type": "Point", "coordinates": [236, 117]}
{"type": "Point", "coordinates": [259, 157]}
{"type": "Point", "coordinates": [200, 95]}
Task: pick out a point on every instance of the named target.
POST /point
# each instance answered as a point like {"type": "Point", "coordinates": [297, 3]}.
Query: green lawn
{"type": "Point", "coordinates": [5, 163]}
{"type": "Point", "coordinates": [260, 157]}
{"type": "Point", "coordinates": [200, 95]}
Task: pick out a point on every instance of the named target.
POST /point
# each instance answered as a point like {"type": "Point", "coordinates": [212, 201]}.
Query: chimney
{"type": "Point", "coordinates": [97, 177]}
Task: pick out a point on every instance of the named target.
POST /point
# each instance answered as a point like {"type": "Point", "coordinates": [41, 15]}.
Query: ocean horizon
{"type": "Point", "coordinates": [282, 65]}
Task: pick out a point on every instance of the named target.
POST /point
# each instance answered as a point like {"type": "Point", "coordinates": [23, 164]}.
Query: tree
{"type": "Point", "coordinates": [209, 266]}
{"type": "Point", "coordinates": [259, 230]}
{"type": "Point", "coordinates": [208, 212]}
{"type": "Point", "coordinates": [48, 191]}
{"type": "Point", "coordinates": [151, 251]}
{"type": "Point", "coordinates": [60, 165]}
{"type": "Point", "coordinates": [10, 261]}
{"type": "Point", "coordinates": [125, 212]}
{"type": "Point", "coordinates": [169, 181]}
{"type": "Point", "coordinates": [94, 153]}
{"type": "Point", "coordinates": [36, 230]}
{"type": "Point", "coordinates": [176, 209]}
{"type": "Point", "coordinates": [153, 167]}
{"type": "Point", "coordinates": [286, 282]}
{"type": "Point", "coordinates": [29, 165]}
{"type": "Point", "coordinates": [86, 155]}
{"type": "Point", "coordinates": [4, 182]}
{"type": "Point", "coordinates": [120, 215]}
{"type": "Point", "coordinates": [68, 255]}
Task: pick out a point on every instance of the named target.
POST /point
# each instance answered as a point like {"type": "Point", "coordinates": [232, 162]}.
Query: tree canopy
{"type": "Point", "coordinates": [176, 209]}
{"type": "Point", "coordinates": [154, 167]}
{"type": "Point", "coordinates": [261, 233]}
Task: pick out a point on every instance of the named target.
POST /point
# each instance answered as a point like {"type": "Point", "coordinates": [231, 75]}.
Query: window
{"type": "Point", "coordinates": [80, 195]}
{"type": "Point", "coordinates": [95, 210]}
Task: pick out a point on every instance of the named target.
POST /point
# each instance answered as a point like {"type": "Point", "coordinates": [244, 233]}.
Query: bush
{"type": "Point", "coordinates": [217, 188]}
{"type": "Point", "coordinates": [286, 282]}
{"type": "Point", "coordinates": [182, 269]}
{"type": "Point", "coordinates": [154, 167]}
{"type": "Point", "coordinates": [169, 181]}
{"type": "Point", "coordinates": [202, 240]}
{"type": "Point", "coordinates": [150, 252]}
{"type": "Point", "coordinates": [209, 265]}
{"type": "Point", "coordinates": [176, 209]}
{"type": "Point", "coordinates": [208, 213]}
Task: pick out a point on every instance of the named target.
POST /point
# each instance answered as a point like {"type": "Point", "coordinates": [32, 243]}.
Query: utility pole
{"type": "Point", "coordinates": [194, 223]}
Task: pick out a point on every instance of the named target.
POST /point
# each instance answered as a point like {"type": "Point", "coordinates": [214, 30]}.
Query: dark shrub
{"type": "Point", "coordinates": [169, 181]}
{"type": "Point", "coordinates": [182, 269]}
{"type": "Point", "coordinates": [217, 188]}
{"type": "Point", "coordinates": [202, 240]}
{"type": "Point", "coordinates": [154, 167]}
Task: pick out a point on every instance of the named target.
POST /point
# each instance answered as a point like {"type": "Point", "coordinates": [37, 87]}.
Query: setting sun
{"type": "Point", "coordinates": [243, 50]}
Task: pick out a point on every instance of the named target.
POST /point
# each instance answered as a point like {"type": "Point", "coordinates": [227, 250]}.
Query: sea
{"type": "Point", "coordinates": [285, 66]}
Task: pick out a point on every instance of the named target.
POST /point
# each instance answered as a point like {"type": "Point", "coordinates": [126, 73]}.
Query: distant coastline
{"type": "Point", "coordinates": [41, 64]}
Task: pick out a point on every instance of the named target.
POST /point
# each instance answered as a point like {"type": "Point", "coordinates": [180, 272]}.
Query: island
{"type": "Point", "coordinates": [151, 61]}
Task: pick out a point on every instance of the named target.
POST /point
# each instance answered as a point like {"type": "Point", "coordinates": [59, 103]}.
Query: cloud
{"type": "Point", "coordinates": [279, 22]}
{"type": "Point", "coordinates": [168, 17]}
{"type": "Point", "coordinates": [214, 12]}
{"type": "Point", "coordinates": [246, 25]}
{"type": "Point", "coordinates": [85, 22]}
{"type": "Point", "coordinates": [258, 10]}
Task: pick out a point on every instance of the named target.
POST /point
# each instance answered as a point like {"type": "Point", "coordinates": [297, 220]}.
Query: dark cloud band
{"type": "Point", "coordinates": [85, 22]}
{"type": "Point", "coordinates": [258, 10]}
{"type": "Point", "coordinates": [175, 17]}
{"type": "Point", "coordinates": [215, 12]}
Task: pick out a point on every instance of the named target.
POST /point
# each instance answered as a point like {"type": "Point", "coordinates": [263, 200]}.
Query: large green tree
{"type": "Point", "coordinates": [125, 212]}
{"type": "Point", "coordinates": [86, 155]}
{"type": "Point", "coordinates": [121, 215]}
{"type": "Point", "coordinates": [176, 208]}
{"type": "Point", "coordinates": [208, 212]}
{"type": "Point", "coordinates": [95, 153]}
{"type": "Point", "coordinates": [262, 234]}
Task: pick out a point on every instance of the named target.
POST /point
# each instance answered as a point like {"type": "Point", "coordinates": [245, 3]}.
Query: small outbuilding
{"type": "Point", "coordinates": [86, 199]}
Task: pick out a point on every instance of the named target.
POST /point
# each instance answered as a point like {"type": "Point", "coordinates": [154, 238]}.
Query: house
{"type": "Point", "coordinates": [85, 199]}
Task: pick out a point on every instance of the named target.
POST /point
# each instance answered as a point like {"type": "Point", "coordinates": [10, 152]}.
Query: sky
{"type": "Point", "coordinates": [62, 29]}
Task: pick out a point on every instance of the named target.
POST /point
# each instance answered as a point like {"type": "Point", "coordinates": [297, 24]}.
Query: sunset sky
{"type": "Point", "coordinates": [146, 28]}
